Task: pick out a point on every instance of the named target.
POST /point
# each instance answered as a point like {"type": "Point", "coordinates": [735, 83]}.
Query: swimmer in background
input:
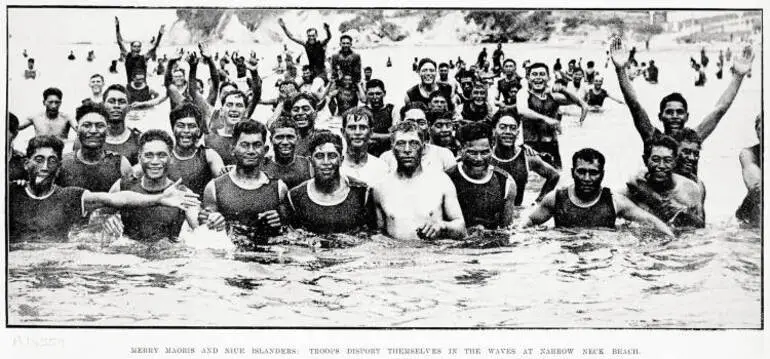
{"type": "Point", "coordinates": [30, 73]}
{"type": "Point", "coordinates": [595, 95]}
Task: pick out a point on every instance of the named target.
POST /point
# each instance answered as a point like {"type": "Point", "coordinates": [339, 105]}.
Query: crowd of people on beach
{"type": "Point", "coordinates": [447, 159]}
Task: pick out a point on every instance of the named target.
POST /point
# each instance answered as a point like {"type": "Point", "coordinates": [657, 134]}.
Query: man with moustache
{"type": "Point", "coordinates": [330, 202]}
{"type": "Point", "coordinates": [51, 121]}
{"type": "Point", "coordinates": [346, 61]}
{"type": "Point", "coordinates": [672, 198]}
{"type": "Point", "coordinates": [434, 158]}
{"type": "Point", "coordinates": [516, 160]}
{"type": "Point", "coordinates": [586, 204]}
{"type": "Point", "coordinates": [413, 203]}
{"type": "Point", "coordinates": [750, 211]}
{"type": "Point", "coordinates": [539, 108]}
{"type": "Point", "coordinates": [486, 193]}
{"type": "Point", "coordinates": [91, 166]}
{"type": "Point", "coordinates": [246, 200]}
{"type": "Point", "coordinates": [221, 139]}
{"type": "Point", "coordinates": [314, 50]}
{"type": "Point", "coordinates": [441, 130]}
{"type": "Point", "coordinates": [196, 165]}
{"type": "Point", "coordinates": [41, 210]}
{"type": "Point", "coordinates": [428, 85]}
{"type": "Point", "coordinates": [152, 223]}
{"type": "Point", "coordinates": [286, 165]}
{"type": "Point", "coordinates": [358, 163]}
{"type": "Point", "coordinates": [302, 108]}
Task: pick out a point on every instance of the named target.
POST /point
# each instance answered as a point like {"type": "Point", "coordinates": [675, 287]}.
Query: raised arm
{"type": "Point", "coordinates": [154, 47]}
{"type": "Point", "coordinates": [630, 211]}
{"type": "Point", "coordinates": [256, 89]}
{"type": "Point", "coordinates": [288, 34]}
{"type": "Point", "coordinates": [641, 119]}
{"type": "Point", "coordinates": [213, 73]}
{"type": "Point", "coordinates": [119, 37]}
{"type": "Point", "coordinates": [546, 171]}
{"type": "Point", "coordinates": [328, 34]}
{"type": "Point", "coordinates": [741, 66]}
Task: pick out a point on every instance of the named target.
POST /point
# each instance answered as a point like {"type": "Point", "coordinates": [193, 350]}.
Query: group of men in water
{"type": "Point", "coordinates": [446, 160]}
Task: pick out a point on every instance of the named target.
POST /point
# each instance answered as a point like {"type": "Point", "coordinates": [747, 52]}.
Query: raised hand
{"type": "Point", "coordinates": [192, 59]}
{"type": "Point", "coordinates": [179, 196]}
{"type": "Point", "coordinates": [117, 22]}
{"type": "Point", "coordinates": [204, 50]}
{"type": "Point", "coordinates": [742, 63]}
{"type": "Point", "coordinates": [162, 29]}
{"type": "Point", "coordinates": [280, 22]}
{"type": "Point", "coordinates": [618, 53]}
{"type": "Point", "coordinates": [326, 26]}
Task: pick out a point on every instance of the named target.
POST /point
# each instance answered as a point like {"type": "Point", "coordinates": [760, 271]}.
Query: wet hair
{"type": "Point", "coordinates": [45, 141]}
{"type": "Point", "coordinates": [590, 64]}
{"type": "Point", "coordinates": [474, 131]}
{"type": "Point", "coordinates": [509, 60]}
{"type": "Point", "coordinates": [688, 135]}
{"type": "Point", "coordinates": [95, 76]}
{"type": "Point", "coordinates": [406, 127]}
{"type": "Point", "coordinates": [31, 60]}
{"type": "Point", "coordinates": [572, 62]}
{"type": "Point", "coordinates": [536, 65]}
{"type": "Point", "coordinates": [323, 137]}
{"type": "Point", "coordinates": [434, 115]}
{"type": "Point", "coordinates": [306, 67]}
{"type": "Point", "coordinates": [186, 110]}
{"type": "Point", "coordinates": [52, 91]}
{"type": "Point", "coordinates": [697, 67]}
{"type": "Point", "coordinates": [412, 106]}
{"type": "Point", "coordinates": [673, 97]}
{"type": "Point", "coordinates": [449, 103]}
{"type": "Point", "coordinates": [652, 62]}
{"type": "Point", "coordinates": [13, 123]}
{"type": "Point", "coordinates": [659, 141]}
{"type": "Point", "coordinates": [156, 135]}
{"type": "Point", "coordinates": [282, 121]}
{"type": "Point", "coordinates": [466, 73]}
{"type": "Point", "coordinates": [235, 93]}
{"type": "Point", "coordinates": [479, 85]}
{"type": "Point", "coordinates": [249, 127]}
{"type": "Point", "coordinates": [288, 82]}
{"type": "Point", "coordinates": [90, 107]}
{"type": "Point", "coordinates": [346, 36]}
{"type": "Point", "coordinates": [589, 155]}
{"type": "Point", "coordinates": [514, 113]}
{"type": "Point", "coordinates": [300, 96]}
{"type": "Point", "coordinates": [443, 64]}
{"type": "Point", "coordinates": [114, 87]}
{"type": "Point", "coordinates": [425, 60]}
{"type": "Point", "coordinates": [368, 68]}
{"type": "Point", "coordinates": [357, 111]}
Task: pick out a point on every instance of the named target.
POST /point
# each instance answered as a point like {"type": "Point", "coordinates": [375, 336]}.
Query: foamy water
{"type": "Point", "coordinates": [709, 278]}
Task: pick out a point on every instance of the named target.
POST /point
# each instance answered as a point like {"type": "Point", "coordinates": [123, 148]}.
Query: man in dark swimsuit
{"type": "Point", "coordinates": [15, 160]}
{"type": "Point", "coordinates": [134, 60]}
{"type": "Point", "coordinates": [246, 200]}
{"type": "Point", "coordinates": [750, 211]}
{"type": "Point", "coordinates": [497, 55]}
{"type": "Point", "coordinates": [346, 61]}
{"type": "Point", "coordinates": [234, 110]}
{"type": "Point", "coordinates": [286, 165]}
{"type": "Point", "coordinates": [442, 130]}
{"type": "Point", "coordinates": [330, 202]}
{"type": "Point", "coordinates": [586, 204]}
{"type": "Point", "coordinates": [383, 116]}
{"type": "Point", "coordinates": [302, 109]}
{"type": "Point", "coordinates": [595, 95]}
{"type": "Point", "coordinates": [510, 81]}
{"type": "Point", "coordinates": [422, 91]}
{"type": "Point", "coordinates": [478, 108]}
{"type": "Point", "coordinates": [314, 50]}
{"type": "Point", "coordinates": [485, 192]}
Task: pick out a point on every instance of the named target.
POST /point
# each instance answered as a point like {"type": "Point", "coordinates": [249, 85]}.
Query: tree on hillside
{"type": "Point", "coordinates": [519, 25]}
{"type": "Point", "coordinates": [648, 31]}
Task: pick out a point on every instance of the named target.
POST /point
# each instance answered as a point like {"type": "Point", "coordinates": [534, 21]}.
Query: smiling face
{"type": "Point", "coordinates": [284, 141]}
{"type": "Point", "coordinates": [345, 45]}
{"type": "Point", "coordinates": [92, 131]}
{"type": "Point", "coordinates": [154, 157]}
{"type": "Point", "coordinates": [538, 78]}
{"type": "Point", "coordinates": [96, 84]}
{"type": "Point", "coordinates": [357, 131]}
{"type": "Point", "coordinates": [660, 164]}
{"type": "Point", "coordinates": [303, 114]}
{"type": "Point", "coordinates": [178, 78]}
{"type": "Point", "coordinates": [441, 131]}
{"type": "Point", "coordinates": [312, 36]}
{"type": "Point", "coordinates": [477, 154]}
{"type": "Point", "coordinates": [674, 116]}
{"type": "Point", "coordinates": [428, 73]}
{"type": "Point", "coordinates": [249, 150]}
{"type": "Point", "coordinates": [479, 96]}
{"type": "Point", "coordinates": [186, 132]}
{"type": "Point", "coordinates": [506, 131]}
{"type": "Point", "coordinates": [326, 160]}
{"type": "Point", "coordinates": [688, 155]}
{"type": "Point", "coordinates": [234, 108]}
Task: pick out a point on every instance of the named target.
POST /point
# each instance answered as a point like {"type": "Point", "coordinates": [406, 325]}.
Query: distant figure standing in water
{"type": "Point", "coordinates": [71, 56]}
{"type": "Point", "coordinates": [24, 53]}
{"type": "Point", "coordinates": [750, 211]}
{"type": "Point", "coordinates": [114, 67]}
{"type": "Point", "coordinates": [700, 77]}
{"type": "Point", "coordinates": [704, 60]}
{"type": "Point", "coordinates": [651, 75]}
{"type": "Point", "coordinates": [91, 56]}
{"type": "Point", "coordinates": [135, 60]}
{"type": "Point", "coordinates": [30, 73]}
{"type": "Point", "coordinates": [315, 50]}
{"type": "Point", "coordinates": [389, 63]}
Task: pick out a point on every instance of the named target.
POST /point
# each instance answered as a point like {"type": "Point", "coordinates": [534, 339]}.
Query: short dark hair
{"type": "Point", "coordinates": [90, 107]}
{"type": "Point", "coordinates": [95, 76]}
{"type": "Point", "coordinates": [659, 141]}
{"type": "Point", "coordinates": [185, 110]}
{"type": "Point", "coordinates": [688, 135]}
{"type": "Point", "coordinates": [45, 141]}
{"type": "Point", "coordinates": [425, 60]}
{"type": "Point", "coordinates": [413, 106]}
{"type": "Point", "coordinates": [300, 96]}
{"type": "Point", "coordinates": [589, 155]}
{"type": "Point", "coordinates": [357, 111]}
{"type": "Point", "coordinates": [590, 64]}
{"type": "Point", "coordinates": [156, 135]}
{"type": "Point", "coordinates": [31, 60]}
{"type": "Point", "coordinates": [235, 93]}
{"type": "Point", "coordinates": [434, 94]}
{"type": "Point", "coordinates": [114, 87]}
{"type": "Point", "coordinates": [406, 126]}
{"type": "Point", "coordinates": [346, 36]}
{"type": "Point", "coordinates": [13, 123]}
{"type": "Point", "coordinates": [249, 127]}
{"type": "Point", "coordinates": [283, 121]}
{"type": "Point", "coordinates": [368, 68]}
{"type": "Point", "coordinates": [673, 97]}
{"type": "Point", "coordinates": [443, 64]}
{"type": "Point", "coordinates": [511, 112]}
{"type": "Point", "coordinates": [434, 115]}
{"type": "Point", "coordinates": [509, 60]}
{"type": "Point", "coordinates": [52, 91]}
{"type": "Point", "coordinates": [375, 83]}
{"type": "Point", "coordinates": [323, 137]}
{"type": "Point", "coordinates": [474, 131]}
{"type": "Point", "coordinates": [536, 65]}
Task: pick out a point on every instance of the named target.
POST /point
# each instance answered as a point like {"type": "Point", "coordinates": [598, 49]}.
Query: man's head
{"type": "Point", "coordinates": [187, 124]}
{"type": "Point", "coordinates": [375, 93]}
{"type": "Point", "coordinates": [31, 63]}
{"type": "Point", "coordinates": [688, 152]}
{"type": "Point", "coordinates": [287, 89]}
{"type": "Point", "coordinates": [312, 35]}
{"type": "Point", "coordinates": [652, 62]}
{"type": "Point", "coordinates": [139, 79]}
{"type": "Point", "coordinates": [96, 83]}
{"type": "Point", "coordinates": [326, 156]}
{"type": "Point", "coordinates": [92, 125]}
{"type": "Point", "coordinates": [178, 77]}
{"type": "Point", "coordinates": [136, 47]}
{"type": "Point", "coordinates": [598, 82]}
{"type": "Point", "coordinates": [416, 112]}
{"type": "Point", "coordinates": [466, 79]}
{"type": "Point", "coordinates": [437, 101]}
{"type": "Point", "coordinates": [408, 144]}
{"type": "Point", "coordinates": [234, 107]}
{"type": "Point", "coordinates": [507, 124]}
{"type": "Point", "coordinates": [307, 73]}
{"type": "Point", "coordinates": [13, 130]}
{"type": "Point", "coordinates": [509, 67]}
{"type": "Point", "coordinates": [346, 43]}
{"type": "Point", "coordinates": [155, 153]}
{"type": "Point", "coordinates": [673, 113]}
{"type": "Point", "coordinates": [302, 108]}
{"type": "Point", "coordinates": [226, 88]}
{"type": "Point", "coordinates": [357, 127]}
{"type": "Point", "coordinates": [427, 70]}
{"type": "Point", "coordinates": [52, 100]}
{"type": "Point", "coordinates": [43, 159]}
{"type": "Point", "coordinates": [443, 71]}
{"type": "Point", "coordinates": [479, 94]}
{"type": "Point", "coordinates": [477, 146]}
{"type": "Point", "coordinates": [115, 100]}
{"type": "Point", "coordinates": [249, 147]}
{"type": "Point", "coordinates": [367, 73]}
{"type": "Point", "coordinates": [284, 137]}
{"type": "Point", "coordinates": [347, 81]}
{"type": "Point", "coordinates": [538, 76]}
{"type": "Point", "coordinates": [590, 64]}
{"type": "Point", "coordinates": [587, 172]}
{"type": "Point", "coordinates": [440, 122]}
{"type": "Point", "coordinates": [660, 157]}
